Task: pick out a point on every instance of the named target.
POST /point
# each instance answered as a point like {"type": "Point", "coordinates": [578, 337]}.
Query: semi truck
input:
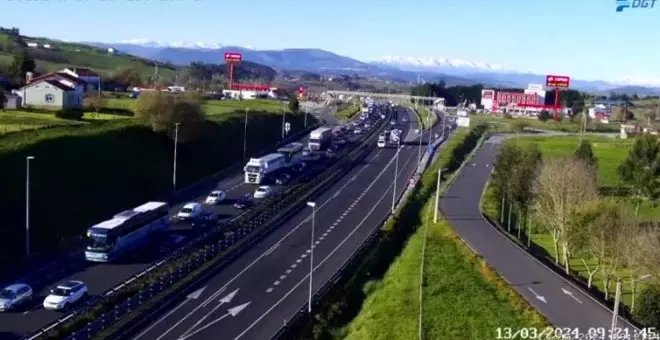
{"type": "Point", "coordinates": [257, 170]}
{"type": "Point", "coordinates": [320, 139]}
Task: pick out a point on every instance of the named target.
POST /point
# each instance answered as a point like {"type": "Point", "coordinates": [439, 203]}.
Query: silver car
{"type": "Point", "coordinates": [14, 296]}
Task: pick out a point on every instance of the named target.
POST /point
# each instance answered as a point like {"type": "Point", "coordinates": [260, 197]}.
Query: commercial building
{"type": "Point", "coordinates": [527, 103]}
{"type": "Point", "coordinates": [249, 91]}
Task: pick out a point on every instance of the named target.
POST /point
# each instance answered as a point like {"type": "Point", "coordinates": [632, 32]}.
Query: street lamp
{"type": "Point", "coordinates": [176, 144]}
{"type": "Point", "coordinates": [27, 205]}
{"type": "Point", "coordinates": [245, 133]}
{"type": "Point", "coordinates": [305, 121]}
{"type": "Point", "coordinates": [419, 149]}
{"type": "Point", "coordinates": [396, 172]}
{"type": "Point", "coordinates": [283, 120]}
{"type": "Point", "coordinates": [311, 256]}
{"type": "Point", "coordinates": [617, 300]}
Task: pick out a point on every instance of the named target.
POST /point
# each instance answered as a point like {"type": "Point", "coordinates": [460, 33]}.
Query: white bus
{"type": "Point", "coordinates": [292, 152]}
{"type": "Point", "coordinates": [126, 231]}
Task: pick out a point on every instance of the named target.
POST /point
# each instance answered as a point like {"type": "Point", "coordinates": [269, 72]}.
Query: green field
{"type": "Point", "coordinates": [564, 125]}
{"type": "Point", "coordinates": [610, 153]}
{"type": "Point", "coordinates": [463, 298]}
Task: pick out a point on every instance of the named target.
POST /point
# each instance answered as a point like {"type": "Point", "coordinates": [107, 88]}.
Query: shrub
{"type": "Point", "coordinates": [74, 114]}
{"type": "Point", "coordinates": [544, 115]}
{"type": "Point", "coordinates": [647, 311]}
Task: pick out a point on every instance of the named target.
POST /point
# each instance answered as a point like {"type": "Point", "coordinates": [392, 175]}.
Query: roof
{"type": "Point", "coordinates": [60, 75]}
{"type": "Point", "coordinates": [53, 83]}
{"type": "Point", "coordinates": [69, 284]}
{"type": "Point", "coordinates": [149, 206]}
{"type": "Point", "coordinates": [15, 286]}
{"type": "Point", "coordinates": [84, 72]}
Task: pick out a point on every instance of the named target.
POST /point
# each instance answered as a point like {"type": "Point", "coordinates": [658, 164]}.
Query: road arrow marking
{"type": "Point", "coordinates": [234, 311]}
{"type": "Point", "coordinates": [569, 293]}
{"type": "Point", "coordinates": [195, 295]}
{"type": "Point", "coordinates": [222, 301]}
{"type": "Point", "coordinates": [537, 295]}
{"type": "Point", "coordinates": [192, 296]}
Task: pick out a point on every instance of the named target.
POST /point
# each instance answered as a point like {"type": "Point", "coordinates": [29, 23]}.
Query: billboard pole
{"type": "Point", "coordinates": [556, 103]}
{"type": "Point", "coordinates": [231, 75]}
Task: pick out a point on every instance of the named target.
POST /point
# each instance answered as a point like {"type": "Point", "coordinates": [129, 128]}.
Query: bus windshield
{"type": "Point", "coordinates": [252, 168]}
{"type": "Point", "coordinates": [98, 242]}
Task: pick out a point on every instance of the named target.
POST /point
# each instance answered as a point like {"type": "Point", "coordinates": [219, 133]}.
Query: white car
{"type": "Point", "coordinates": [381, 143]}
{"type": "Point", "coordinates": [65, 295]}
{"type": "Point", "coordinates": [357, 131]}
{"type": "Point", "coordinates": [12, 297]}
{"type": "Point", "coordinates": [190, 211]}
{"type": "Point", "coordinates": [215, 197]}
{"type": "Point", "coordinates": [262, 191]}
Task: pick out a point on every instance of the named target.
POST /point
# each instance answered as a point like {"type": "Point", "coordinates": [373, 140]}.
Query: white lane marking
{"type": "Point", "coordinates": [304, 279]}
{"type": "Point", "coordinates": [288, 271]}
{"type": "Point", "coordinates": [269, 290]}
{"type": "Point", "coordinates": [303, 256]}
{"type": "Point", "coordinates": [282, 277]}
{"type": "Point", "coordinates": [276, 283]}
{"type": "Point", "coordinates": [298, 260]}
{"type": "Point", "coordinates": [294, 265]}
{"type": "Point", "coordinates": [272, 249]}
{"type": "Point", "coordinates": [221, 302]}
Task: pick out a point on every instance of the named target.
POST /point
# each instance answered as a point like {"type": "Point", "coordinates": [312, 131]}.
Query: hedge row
{"type": "Point", "coordinates": [343, 301]}
{"type": "Point", "coordinates": [82, 175]}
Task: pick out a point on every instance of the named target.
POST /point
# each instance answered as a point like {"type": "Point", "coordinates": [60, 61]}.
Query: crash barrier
{"type": "Point", "coordinates": [366, 245]}
{"type": "Point", "coordinates": [220, 244]}
{"type": "Point", "coordinates": [42, 263]}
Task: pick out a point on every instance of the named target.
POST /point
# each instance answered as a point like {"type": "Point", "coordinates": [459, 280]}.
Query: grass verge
{"type": "Point", "coordinates": [426, 117]}
{"type": "Point", "coordinates": [379, 298]}
{"type": "Point", "coordinates": [348, 112]}
{"type": "Point", "coordinates": [565, 125]}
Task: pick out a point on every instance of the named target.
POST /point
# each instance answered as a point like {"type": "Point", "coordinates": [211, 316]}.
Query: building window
{"type": "Point", "coordinates": [49, 98]}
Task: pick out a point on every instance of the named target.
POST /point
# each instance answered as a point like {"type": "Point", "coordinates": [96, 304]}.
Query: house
{"type": "Point", "coordinates": [12, 101]}
{"type": "Point", "coordinates": [111, 50]}
{"type": "Point", "coordinates": [33, 44]}
{"type": "Point", "coordinates": [48, 46]}
{"type": "Point", "coordinates": [50, 93]}
{"type": "Point", "coordinates": [91, 78]}
{"type": "Point", "coordinates": [78, 84]}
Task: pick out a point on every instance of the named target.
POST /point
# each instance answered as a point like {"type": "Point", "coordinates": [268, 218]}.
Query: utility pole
{"type": "Point", "coordinates": [176, 144]}
{"type": "Point", "coordinates": [27, 205]}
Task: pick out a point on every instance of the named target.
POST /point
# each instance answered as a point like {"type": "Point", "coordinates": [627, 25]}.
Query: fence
{"type": "Point", "coordinates": [423, 164]}
{"type": "Point", "coordinates": [205, 253]}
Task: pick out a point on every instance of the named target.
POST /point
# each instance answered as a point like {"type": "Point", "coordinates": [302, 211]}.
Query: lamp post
{"type": "Point", "coordinates": [283, 120]}
{"type": "Point", "coordinates": [245, 133]}
{"type": "Point", "coordinates": [305, 121]}
{"type": "Point", "coordinates": [176, 144]}
{"type": "Point", "coordinates": [617, 301]}
{"type": "Point", "coordinates": [27, 205]}
{"type": "Point", "coordinates": [437, 196]}
{"type": "Point", "coordinates": [419, 149]}
{"type": "Point", "coordinates": [311, 257]}
{"type": "Point", "coordinates": [396, 172]}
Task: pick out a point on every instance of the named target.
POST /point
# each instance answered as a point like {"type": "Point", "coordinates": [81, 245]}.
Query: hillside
{"type": "Point", "coordinates": [51, 55]}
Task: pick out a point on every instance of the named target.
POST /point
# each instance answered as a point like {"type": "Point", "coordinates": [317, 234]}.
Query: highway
{"type": "Point", "coordinates": [561, 302]}
{"type": "Point", "coordinates": [100, 277]}
{"type": "Point", "coordinates": [256, 294]}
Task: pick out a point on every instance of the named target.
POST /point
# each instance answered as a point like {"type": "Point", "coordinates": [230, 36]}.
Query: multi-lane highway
{"type": "Point", "coordinates": [101, 277]}
{"type": "Point", "coordinates": [564, 304]}
{"type": "Point", "coordinates": [255, 295]}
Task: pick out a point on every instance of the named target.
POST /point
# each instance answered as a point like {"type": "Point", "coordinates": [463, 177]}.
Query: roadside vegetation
{"type": "Point", "coordinates": [426, 117]}
{"type": "Point", "coordinates": [590, 208]}
{"type": "Point", "coordinates": [547, 123]}
{"type": "Point", "coordinates": [348, 112]}
{"type": "Point", "coordinates": [378, 297]}
{"type": "Point", "coordinates": [102, 166]}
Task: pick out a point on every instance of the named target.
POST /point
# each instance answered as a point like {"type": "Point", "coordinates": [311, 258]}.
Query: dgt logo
{"type": "Point", "coordinates": [621, 4]}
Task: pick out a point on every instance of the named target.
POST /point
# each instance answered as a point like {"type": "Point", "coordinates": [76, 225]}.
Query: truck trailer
{"type": "Point", "coordinates": [258, 169]}
{"type": "Point", "coordinates": [320, 139]}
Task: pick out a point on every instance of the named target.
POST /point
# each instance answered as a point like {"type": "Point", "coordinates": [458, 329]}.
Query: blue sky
{"type": "Point", "coordinates": [585, 39]}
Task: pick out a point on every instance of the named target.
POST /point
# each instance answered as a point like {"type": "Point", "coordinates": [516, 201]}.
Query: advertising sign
{"type": "Point", "coordinates": [535, 87]}
{"type": "Point", "coordinates": [233, 57]}
{"type": "Point", "coordinates": [552, 80]}
{"type": "Point", "coordinates": [487, 94]}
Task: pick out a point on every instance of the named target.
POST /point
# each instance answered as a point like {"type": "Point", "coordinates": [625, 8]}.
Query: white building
{"type": "Point", "coordinates": [33, 44]}
{"type": "Point", "coordinates": [91, 78]}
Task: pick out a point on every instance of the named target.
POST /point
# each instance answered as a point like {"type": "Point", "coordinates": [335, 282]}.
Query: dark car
{"type": "Point", "coordinates": [298, 167]}
{"type": "Point", "coordinates": [206, 219]}
{"type": "Point", "coordinates": [244, 202]}
{"type": "Point", "coordinates": [282, 179]}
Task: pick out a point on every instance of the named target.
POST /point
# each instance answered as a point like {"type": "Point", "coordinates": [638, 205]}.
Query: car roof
{"type": "Point", "coordinates": [216, 192]}
{"type": "Point", "coordinates": [191, 205]}
{"type": "Point", "coordinates": [16, 286]}
{"type": "Point", "coordinates": [263, 187]}
{"type": "Point", "coordinates": [69, 284]}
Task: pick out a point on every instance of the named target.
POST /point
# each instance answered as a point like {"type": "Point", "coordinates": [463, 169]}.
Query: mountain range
{"type": "Point", "coordinates": [409, 69]}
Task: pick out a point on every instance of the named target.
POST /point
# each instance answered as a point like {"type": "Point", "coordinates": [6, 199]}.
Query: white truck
{"type": "Point", "coordinates": [258, 169]}
{"type": "Point", "coordinates": [395, 136]}
{"type": "Point", "coordinates": [320, 139]}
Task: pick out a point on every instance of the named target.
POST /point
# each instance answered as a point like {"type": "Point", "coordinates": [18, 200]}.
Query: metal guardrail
{"type": "Point", "coordinates": [371, 238]}
{"type": "Point", "coordinates": [244, 226]}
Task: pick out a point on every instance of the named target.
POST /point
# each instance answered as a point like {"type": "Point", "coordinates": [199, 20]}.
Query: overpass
{"type": "Point", "coordinates": [395, 97]}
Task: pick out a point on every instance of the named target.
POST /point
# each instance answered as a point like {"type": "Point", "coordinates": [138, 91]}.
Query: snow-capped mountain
{"type": "Point", "coordinates": [434, 63]}
{"type": "Point", "coordinates": [196, 45]}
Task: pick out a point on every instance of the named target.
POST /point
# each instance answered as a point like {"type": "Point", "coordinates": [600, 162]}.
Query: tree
{"type": "Point", "coordinates": [294, 105]}
{"type": "Point", "coordinates": [161, 111]}
{"type": "Point", "coordinates": [21, 64]}
{"type": "Point", "coordinates": [127, 77]}
{"type": "Point", "coordinates": [524, 173]}
{"type": "Point", "coordinates": [544, 115]}
{"type": "Point", "coordinates": [641, 251]}
{"type": "Point", "coordinates": [562, 186]}
{"type": "Point", "coordinates": [93, 101]}
{"type": "Point", "coordinates": [519, 126]}
{"type": "Point", "coordinates": [641, 169]}
{"type": "Point", "coordinates": [648, 312]}
{"type": "Point", "coordinates": [597, 233]}
{"type": "Point", "coordinates": [585, 153]}
{"type": "Point", "coordinates": [503, 175]}
{"type": "Point", "coordinates": [2, 99]}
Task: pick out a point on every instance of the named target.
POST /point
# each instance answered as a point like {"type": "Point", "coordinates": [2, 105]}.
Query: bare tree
{"type": "Point", "coordinates": [641, 251]}
{"type": "Point", "coordinates": [562, 186]}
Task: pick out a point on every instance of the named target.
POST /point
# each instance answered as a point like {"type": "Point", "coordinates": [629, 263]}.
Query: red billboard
{"type": "Point", "coordinates": [552, 80]}
{"type": "Point", "coordinates": [233, 57]}
{"type": "Point", "coordinates": [301, 90]}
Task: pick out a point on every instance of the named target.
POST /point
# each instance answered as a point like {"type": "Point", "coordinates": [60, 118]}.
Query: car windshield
{"type": "Point", "coordinates": [214, 194]}
{"type": "Point", "coordinates": [60, 292]}
{"type": "Point", "coordinates": [186, 210]}
{"type": "Point", "coordinates": [262, 190]}
{"type": "Point", "coordinates": [7, 294]}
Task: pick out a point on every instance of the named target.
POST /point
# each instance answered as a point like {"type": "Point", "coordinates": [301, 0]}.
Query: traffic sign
{"type": "Point", "coordinates": [287, 127]}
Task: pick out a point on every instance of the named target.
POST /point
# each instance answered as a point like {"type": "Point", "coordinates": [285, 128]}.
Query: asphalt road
{"type": "Point", "coordinates": [563, 304]}
{"type": "Point", "coordinates": [100, 277]}
{"type": "Point", "coordinates": [255, 295]}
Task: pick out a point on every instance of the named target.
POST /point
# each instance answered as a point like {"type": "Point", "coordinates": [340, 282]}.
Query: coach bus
{"type": "Point", "coordinates": [126, 231]}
